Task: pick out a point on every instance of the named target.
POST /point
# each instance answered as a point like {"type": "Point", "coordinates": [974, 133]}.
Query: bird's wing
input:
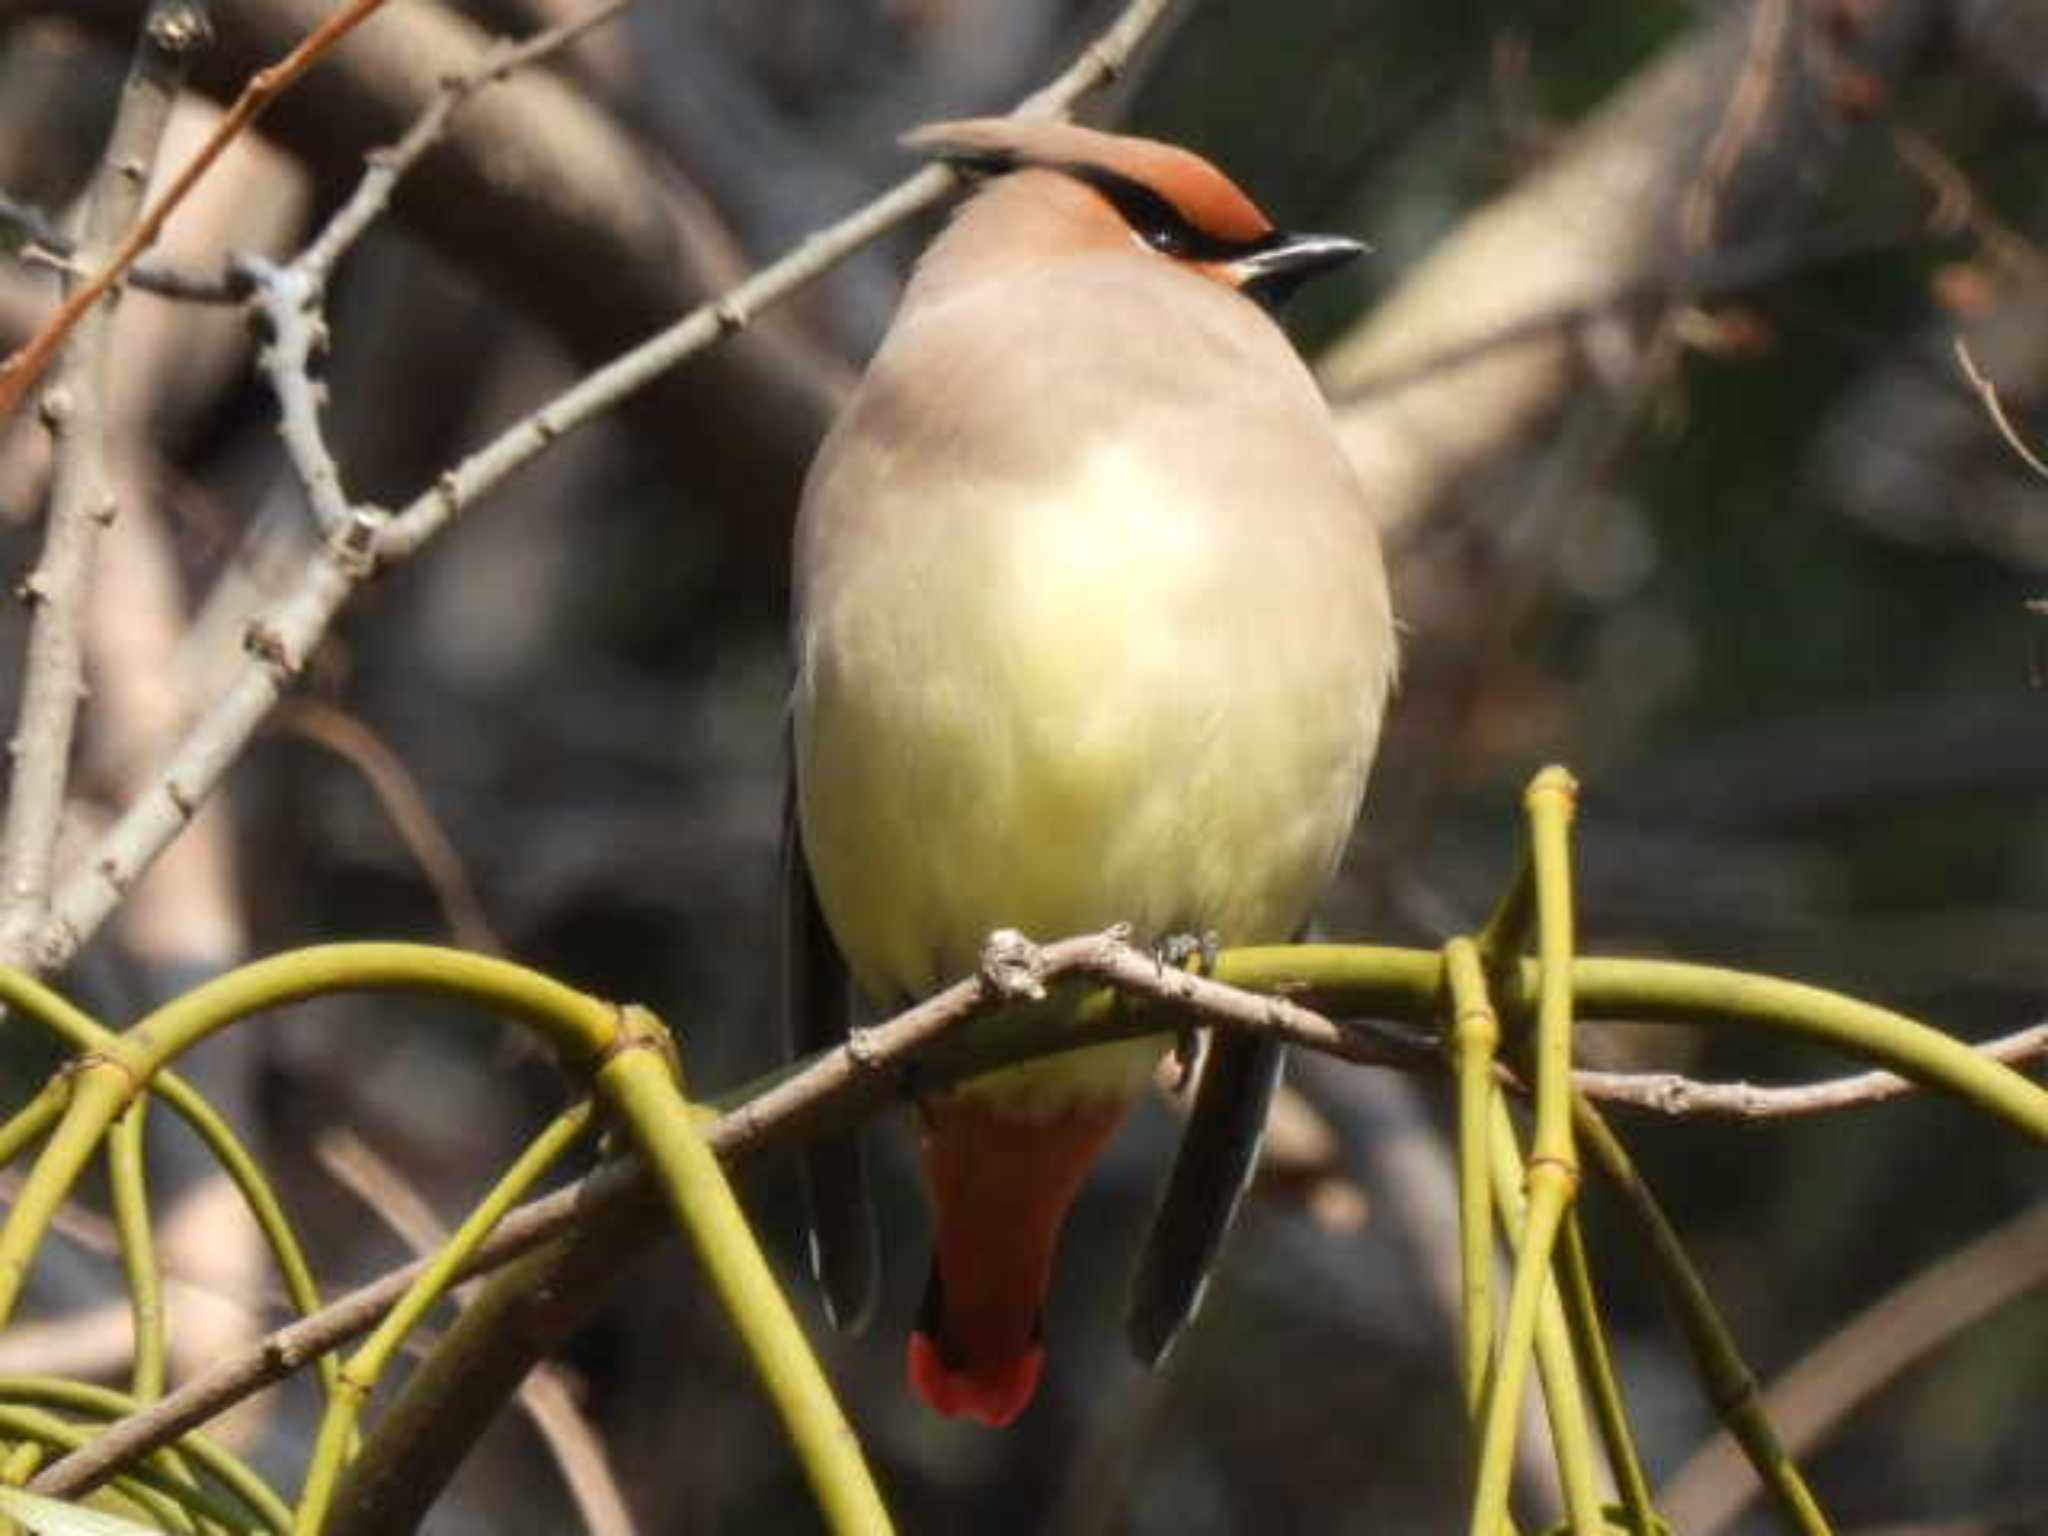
{"type": "Point", "coordinates": [1219, 1150]}
{"type": "Point", "coordinates": [817, 1008]}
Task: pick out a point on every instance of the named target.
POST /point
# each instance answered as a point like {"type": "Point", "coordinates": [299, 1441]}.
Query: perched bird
{"type": "Point", "coordinates": [1092, 627]}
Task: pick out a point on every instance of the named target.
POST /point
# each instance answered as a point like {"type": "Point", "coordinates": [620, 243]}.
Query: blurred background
{"type": "Point", "coordinates": [1652, 377]}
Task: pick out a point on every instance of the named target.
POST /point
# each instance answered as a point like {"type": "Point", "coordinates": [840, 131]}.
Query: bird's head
{"type": "Point", "coordinates": [1115, 188]}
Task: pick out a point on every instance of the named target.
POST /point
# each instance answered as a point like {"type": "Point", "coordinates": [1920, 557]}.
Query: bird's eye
{"type": "Point", "coordinates": [1152, 218]}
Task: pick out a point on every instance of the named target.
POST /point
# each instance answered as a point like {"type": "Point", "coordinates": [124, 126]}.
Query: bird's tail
{"type": "Point", "coordinates": [1002, 1179]}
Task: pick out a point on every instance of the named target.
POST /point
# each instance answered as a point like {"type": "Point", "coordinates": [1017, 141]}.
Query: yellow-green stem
{"type": "Point", "coordinates": [16, 1468]}
{"type": "Point", "coordinates": [1563, 1398]}
{"type": "Point", "coordinates": [1553, 1170]}
{"type": "Point", "coordinates": [33, 1120]}
{"type": "Point", "coordinates": [1731, 1386]}
{"type": "Point", "coordinates": [28, 997]}
{"type": "Point", "coordinates": [102, 1088]}
{"type": "Point", "coordinates": [129, 1189]}
{"type": "Point", "coordinates": [641, 1086]}
{"type": "Point", "coordinates": [157, 1494]}
{"type": "Point", "coordinates": [225, 1468]}
{"type": "Point", "coordinates": [1474, 1035]}
{"type": "Point", "coordinates": [360, 1375]}
{"type": "Point", "coordinates": [1507, 927]}
{"type": "Point", "coordinates": [579, 1026]}
{"type": "Point", "coordinates": [1589, 1336]}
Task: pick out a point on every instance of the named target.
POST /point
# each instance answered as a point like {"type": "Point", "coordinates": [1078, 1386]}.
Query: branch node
{"type": "Point", "coordinates": [355, 542]}
{"type": "Point", "coordinates": [54, 945]}
{"type": "Point", "coordinates": [1012, 967]}
{"type": "Point", "coordinates": [54, 407]}
{"type": "Point", "coordinates": [109, 870]}
{"type": "Point", "coordinates": [263, 641]}
{"type": "Point", "coordinates": [178, 29]}
{"type": "Point", "coordinates": [181, 798]}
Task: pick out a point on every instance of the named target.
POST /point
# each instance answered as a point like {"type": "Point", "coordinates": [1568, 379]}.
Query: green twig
{"type": "Point", "coordinates": [1553, 1167]}
{"type": "Point", "coordinates": [642, 1085]}
{"type": "Point", "coordinates": [359, 1376]}
{"type": "Point", "coordinates": [1501, 941]}
{"type": "Point", "coordinates": [1563, 1398]}
{"type": "Point", "coordinates": [1589, 1337]}
{"type": "Point", "coordinates": [222, 1465]}
{"type": "Point", "coordinates": [1730, 1385]}
{"type": "Point", "coordinates": [172, 1503]}
{"type": "Point", "coordinates": [28, 997]}
{"type": "Point", "coordinates": [1473, 1036]}
{"type": "Point", "coordinates": [129, 1190]}
{"type": "Point", "coordinates": [100, 1091]}
{"type": "Point", "coordinates": [33, 1120]}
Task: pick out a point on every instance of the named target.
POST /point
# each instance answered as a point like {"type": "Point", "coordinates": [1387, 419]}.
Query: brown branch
{"type": "Point", "coordinates": [19, 373]}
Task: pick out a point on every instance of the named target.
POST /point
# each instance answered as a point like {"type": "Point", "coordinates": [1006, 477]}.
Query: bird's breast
{"type": "Point", "coordinates": [1064, 703]}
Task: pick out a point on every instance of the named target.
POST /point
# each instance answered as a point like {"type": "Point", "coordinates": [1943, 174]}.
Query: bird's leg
{"type": "Point", "coordinates": [1175, 950]}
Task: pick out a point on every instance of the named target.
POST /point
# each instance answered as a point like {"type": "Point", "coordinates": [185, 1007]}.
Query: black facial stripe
{"type": "Point", "coordinates": [1161, 225]}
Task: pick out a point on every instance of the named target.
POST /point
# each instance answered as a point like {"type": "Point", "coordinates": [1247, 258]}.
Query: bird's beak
{"type": "Point", "coordinates": [1272, 273]}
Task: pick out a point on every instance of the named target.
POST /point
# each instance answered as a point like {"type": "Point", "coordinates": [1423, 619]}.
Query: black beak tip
{"type": "Point", "coordinates": [1272, 274]}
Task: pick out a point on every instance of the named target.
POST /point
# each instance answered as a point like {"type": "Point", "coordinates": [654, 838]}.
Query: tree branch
{"type": "Point", "coordinates": [75, 411]}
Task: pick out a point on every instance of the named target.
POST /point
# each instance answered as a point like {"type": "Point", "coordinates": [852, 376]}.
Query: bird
{"type": "Point", "coordinates": [1090, 627]}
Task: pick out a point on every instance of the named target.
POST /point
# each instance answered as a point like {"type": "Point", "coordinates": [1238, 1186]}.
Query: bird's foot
{"type": "Point", "coordinates": [1174, 951]}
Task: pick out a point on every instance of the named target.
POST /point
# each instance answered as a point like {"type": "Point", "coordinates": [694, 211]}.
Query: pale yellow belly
{"type": "Point", "coordinates": [1104, 713]}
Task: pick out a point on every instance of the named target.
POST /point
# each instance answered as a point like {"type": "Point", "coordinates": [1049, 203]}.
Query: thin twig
{"type": "Point", "coordinates": [406, 807]}
{"type": "Point", "coordinates": [19, 372]}
{"type": "Point", "coordinates": [1744, 115]}
{"type": "Point", "coordinates": [1667, 1093]}
{"type": "Point", "coordinates": [1995, 408]}
{"type": "Point", "coordinates": [45, 245]}
{"type": "Point", "coordinates": [547, 1395]}
{"type": "Point", "coordinates": [287, 302]}
{"type": "Point", "coordinates": [75, 410]}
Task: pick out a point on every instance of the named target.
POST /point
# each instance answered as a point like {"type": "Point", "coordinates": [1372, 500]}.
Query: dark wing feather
{"type": "Point", "coordinates": [817, 1009]}
{"type": "Point", "coordinates": [1218, 1153]}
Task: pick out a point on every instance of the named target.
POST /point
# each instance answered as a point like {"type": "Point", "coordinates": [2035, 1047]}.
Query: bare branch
{"type": "Point", "coordinates": [75, 410]}
{"type": "Point", "coordinates": [1667, 1093]}
{"type": "Point", "coordinates": [186, 23]}
{"type": "Point", "coordinates": [45, 245]}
